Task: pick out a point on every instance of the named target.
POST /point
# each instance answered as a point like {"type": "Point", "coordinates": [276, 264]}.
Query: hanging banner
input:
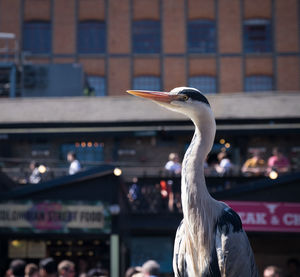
{"type": "Point", "coordinates": [57, 216]}
{"type": "Point", "coordinates": [268, 216]}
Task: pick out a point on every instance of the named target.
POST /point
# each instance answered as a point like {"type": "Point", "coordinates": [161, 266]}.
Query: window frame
{"type": "Point", "coordinates": [258, 79]}
{"type": "Point", "coordinates": [204, 78]}
{"type": "Point", "coordinates": [97, 78]}
{"type": "Point", "coordinates": [35, 40]}
{"type": "Point", "coordinates": [153, 80]}
{"type": "Point", "coordinates": [149, 41]}
{"type": "Point", "coordinates": [201, 36]}
{"type": "Point", "coordinates": [96, 33]}
{"type": "Point", "coordinates": [259, 40]}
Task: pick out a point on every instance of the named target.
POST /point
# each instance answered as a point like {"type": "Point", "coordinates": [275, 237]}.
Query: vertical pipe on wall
{"type": "Point", "coordinates": [274, 50]}
{"type": "Point", "coordinates": [114, 255]}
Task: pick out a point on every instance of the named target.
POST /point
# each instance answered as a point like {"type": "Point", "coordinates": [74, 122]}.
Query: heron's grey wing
{"type": "Point", "coordinates": [179, 252]}
{"type": "Point", "coordinates": [235, 256]}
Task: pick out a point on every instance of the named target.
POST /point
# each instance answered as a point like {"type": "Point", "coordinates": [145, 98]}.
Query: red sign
{"type": "Point", "coordinates": [268, 216]}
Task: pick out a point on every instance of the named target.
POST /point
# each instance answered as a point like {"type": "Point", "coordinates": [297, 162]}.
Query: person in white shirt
{"type": "Point", "coordinates": [74, 163]}
{"type": "Point", "coordinates": [173, 165]}
{"type": "Point", "coordinates": [225, 167]}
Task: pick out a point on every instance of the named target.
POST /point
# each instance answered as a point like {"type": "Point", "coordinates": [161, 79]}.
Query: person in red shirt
{"type": "Point", "coordinates": [278, 162]}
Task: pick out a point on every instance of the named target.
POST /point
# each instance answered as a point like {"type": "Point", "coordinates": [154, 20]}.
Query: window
{"type": "Point", "coordinates": [37, 37]}
{"type": "Point", "coordinates": [84, 150]}
{"type": "Point", "coordinates": [201, 36]}
{"type": "Point", "coordinates": [96, 85]}
{"type": "Point", "coordinates": [206, 84]}
{"type": "Point", "coordinates": [91, 37]}
{"type": "Point", "coordinates": [257, 36]}
{"type": "Point", "coordinates": [258, 83]}
{"type": "Point", "coordinates": [146, 83]}
{"type": "Point", "coordinates": [146, 36]}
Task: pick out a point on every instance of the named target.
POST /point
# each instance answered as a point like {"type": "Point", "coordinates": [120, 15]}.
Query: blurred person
{"type": "Point", "coordinates": [75, 165]}
{"type": "Point", "coordinates": [278, 162]}
{"type": "Point", "coordinates": [293, 267]}
{"type": "Point", "coordinates": [255, 166]}
{"type": "Point", "coordinates": [32, 270]}
{"type": "Point", "coordinates": [97, 272]}
{"type": "Point", "coordinates": [17, 268]}
{"type": "Point", "coordinates": [133, 271]}
{"type": "Point", "coordinates": [224, 167]}
{"type": "Point", "coordinates": [272, 271]}
{"type": "Point", "coordinates": [82, 267]}
{"type": "Point", "coordinates": [167, 195]}
{"type": "Point", "coordinates": [173, 166]}
{"type": "Point", "coordinates": [48, 267]}
{"type": "Point", "coordinates": [66, 268]}
{"type": "Point", "coordinates": [151, 268]}
{"type": "Point", "coordinates": [134, 194]}
{"type": "Point", "coordinates": [35, 176]}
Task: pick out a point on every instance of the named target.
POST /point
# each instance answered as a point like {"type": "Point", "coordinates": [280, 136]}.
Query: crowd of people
{"type": "Point", "coordinates": [151, 268]}
{"type": "Point", "coordinates": [66, 268]}
{"type": "Point", "coordinates": [223, 166]}
{"type": "Point", "coordinates": [49, 268]}
{"type": "Point", "coordinates": [38, 172]}
{"type": "Point", "coordinates": [163, 196]}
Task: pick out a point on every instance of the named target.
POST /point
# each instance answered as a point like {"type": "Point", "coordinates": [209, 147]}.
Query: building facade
{"type": "Point", "coordinates": [217, 46]}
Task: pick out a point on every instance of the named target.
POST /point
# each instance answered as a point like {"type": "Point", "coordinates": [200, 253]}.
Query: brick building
{"type": "Point", "coordinates": [241, 46]}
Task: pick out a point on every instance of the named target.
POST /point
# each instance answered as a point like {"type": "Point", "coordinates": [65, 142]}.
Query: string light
{"type": "Point", "coordinates": [42, 169]}
{"type": "Point", "coordinates": [273, 175]}
{"type": "Point", "coordinates": [91, 253]}
{"type": "Point", "coordinates": [117, 171]}
{"type": "Point", "coordinates": [227, 145]}
{"type": "Point", "coordinates": [16, 243]}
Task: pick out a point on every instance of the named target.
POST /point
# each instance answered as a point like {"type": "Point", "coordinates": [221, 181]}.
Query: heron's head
{"type": "Point", "coordinates": [185, 100]}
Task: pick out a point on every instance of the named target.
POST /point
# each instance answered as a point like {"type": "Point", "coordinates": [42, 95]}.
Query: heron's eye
{"type": "Point", "coordinates": [185, 97]}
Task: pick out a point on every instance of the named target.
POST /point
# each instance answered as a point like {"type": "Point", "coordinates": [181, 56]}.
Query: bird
{"type": "Point", "coordinates": [210, 240]}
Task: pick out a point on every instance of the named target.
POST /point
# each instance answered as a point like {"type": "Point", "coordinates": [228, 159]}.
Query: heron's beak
{"type": "Point", "coordinates": [159, 96]}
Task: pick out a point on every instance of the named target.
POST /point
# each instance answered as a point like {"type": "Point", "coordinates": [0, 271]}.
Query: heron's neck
{"type": "Point", "coordinates": [194, 191]}
{"type": "Point", "coordinates": [199, 208]}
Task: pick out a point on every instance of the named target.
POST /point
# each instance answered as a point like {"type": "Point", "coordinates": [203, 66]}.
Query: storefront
{"type": "Point", "coordinates": [73, 217]}
{"type": "Point", "coordinates": [87, 218]}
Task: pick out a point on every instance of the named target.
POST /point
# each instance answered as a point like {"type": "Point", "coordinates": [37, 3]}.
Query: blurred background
{"type": "Point", "coordinates": [83, 172]}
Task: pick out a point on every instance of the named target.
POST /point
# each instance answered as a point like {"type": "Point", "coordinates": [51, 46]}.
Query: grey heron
{"type": "Point", "coordinates": [210, 240]}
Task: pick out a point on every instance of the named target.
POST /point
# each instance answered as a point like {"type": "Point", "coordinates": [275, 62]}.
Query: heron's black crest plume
{"type": "Point", "coordinates": [195, 95]}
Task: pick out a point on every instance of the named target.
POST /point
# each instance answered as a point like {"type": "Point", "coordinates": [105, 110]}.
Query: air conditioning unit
{"type": "Point", "coordinates": [52, 80]}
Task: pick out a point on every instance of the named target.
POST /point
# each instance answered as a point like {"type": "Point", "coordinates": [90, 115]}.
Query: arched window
{"type": "Point", "coordinates": [257, 36]}
{"type": "Point", "coordinates": [146, 36]}
{"type": "Point", "coordinates": [91, 37]}
{"type": "Point", "coordinates": [258, 83]}
{"type": "Point", "coordinates": [96, 85]}
{"type": "Point", "coordinates": [201, 36]}
{"type": "Point", "coordinates": [206, 84]}
{"type": "Point", "coordinates": [37, 37]}
{"type": "Point", "coordinates": [147, 83]}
